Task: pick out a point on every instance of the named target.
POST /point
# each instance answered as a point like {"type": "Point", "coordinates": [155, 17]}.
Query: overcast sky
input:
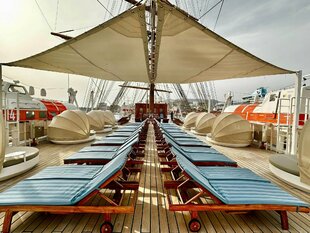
{"type": "Point", "coordinates": [277, 31]}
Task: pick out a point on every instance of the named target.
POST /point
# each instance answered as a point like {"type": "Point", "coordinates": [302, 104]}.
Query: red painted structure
{"type": "Point", "coordinates": [142, 111]}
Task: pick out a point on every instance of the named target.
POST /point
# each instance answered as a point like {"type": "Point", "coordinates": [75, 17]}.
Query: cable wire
{"type": "Point", "coordinates": [105, 8]}
{"type": "Point", "coordinates": [43, 15]}
{"type": "Point", "coordinates": [218, 16]}
{"type": "Point", "coordinates": [211, 9]}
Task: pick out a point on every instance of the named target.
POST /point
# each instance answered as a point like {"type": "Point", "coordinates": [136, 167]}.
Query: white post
{"type": "Point", "coordinates": [1, 88]}
{"type": "Point", "coordinates": [298, 81]}
{"type": "Point", "coordinates": [209, 105]}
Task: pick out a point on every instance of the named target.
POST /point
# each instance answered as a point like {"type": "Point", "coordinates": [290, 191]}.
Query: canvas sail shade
{"type": "Point", "coordinates": [115, 50]}
{"type": "Point", "coordinates": [185, 52]}
{"type": "Point", "coordinates": [188, 52]}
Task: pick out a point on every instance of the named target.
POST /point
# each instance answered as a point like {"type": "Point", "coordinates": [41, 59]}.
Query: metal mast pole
{"type": "Point", "coordinates": [152, 55]}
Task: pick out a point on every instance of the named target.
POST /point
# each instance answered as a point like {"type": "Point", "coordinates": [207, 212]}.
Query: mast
{"type": "Point", "coordinates": [152, 56]}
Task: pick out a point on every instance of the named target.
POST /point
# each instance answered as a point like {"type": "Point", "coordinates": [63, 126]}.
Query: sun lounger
{"type": "Point", "coordinates": [231, 189]}
{"type": "Point", "coordinates": [199, 159]}
{"type": "Point", "coordinates": [115, 141]}
{"type": "Point", "coordinates": [186, 141]}
{"type": "Point", "coordinates": [68, 189]}
{"type": "Point", "coordinates": [97, 155]}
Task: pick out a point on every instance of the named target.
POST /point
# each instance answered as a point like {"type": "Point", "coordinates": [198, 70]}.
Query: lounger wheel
{"type": "Point", "coordinates": [194, 225]}
{"type": "Point", "coordinates": [106, 227]}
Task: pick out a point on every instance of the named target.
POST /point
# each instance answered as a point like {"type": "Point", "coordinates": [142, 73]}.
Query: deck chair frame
{"type": "Point", "coordinates": [192, 204]}
{"type": "Point", "coordinates": [115, 182]}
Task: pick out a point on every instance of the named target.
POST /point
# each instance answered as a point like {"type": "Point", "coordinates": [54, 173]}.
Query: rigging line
{"type": "Point", "coordinates": [43, 15]}
{"type": "Point", "coordinates": [56, 17]}
{"type": "Point", "coordinates": [203, 6]}
{"type": "Point", "coordinates": [211, 9]}
{"type": "Point", "coordinates": [105, 8]}
{"type": "Point", "coordinates": [218, 16]}
{"type": "Point", "coordinates": [134, 4]}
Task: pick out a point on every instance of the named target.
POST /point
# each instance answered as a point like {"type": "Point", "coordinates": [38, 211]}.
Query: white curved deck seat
{"type": "Point", "coordinates": [230, 130]}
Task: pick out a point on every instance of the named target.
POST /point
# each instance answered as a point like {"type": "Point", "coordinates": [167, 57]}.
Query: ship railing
{"type": "Point", "coordinates": [12, 117]}
{"type": "Point", "coordinates": [284, 128]}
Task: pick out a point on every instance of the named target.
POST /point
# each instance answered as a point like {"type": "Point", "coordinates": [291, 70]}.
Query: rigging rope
{"type": "Point", "coordinates": [218, 15]}
{"type": "Point", "coordinates": [210, 9]}
{"type": "Point", "coordinates": [43, 15]}
{"type": "Point", "coordinates": [105, 8]}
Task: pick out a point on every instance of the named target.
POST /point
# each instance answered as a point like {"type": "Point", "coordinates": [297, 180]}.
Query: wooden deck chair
{"type": "Point", "coordinates": [232, 190]}
{"type": "Point", "coordinates": [68, 189]}
{"type": "Point", "coordinates": [100, 155]}
{"type": "Point", "coordinates": [208, 158]}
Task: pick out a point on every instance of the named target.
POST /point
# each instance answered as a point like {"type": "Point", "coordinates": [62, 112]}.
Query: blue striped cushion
{"type": "Point", "coordinates": [105, 155]}
{"type": "Point", "coordinates": [64, 188]}
{"type": "Point", "coordinates": [201, 157]}
{"type": "Point", "coordinates": [199, 149]}
{"type": "Point", "coordinates": [99, 149]}
{"type": "Point", "coordinates": [68, 172]}
{"type": "Point", "coordinates": [237, 189]}
{"type": "Point", "coordinates": [229, 173]}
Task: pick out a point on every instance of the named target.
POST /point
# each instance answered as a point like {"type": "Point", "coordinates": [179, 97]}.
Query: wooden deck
{"type": "Point", "coordinates": [151, 213]}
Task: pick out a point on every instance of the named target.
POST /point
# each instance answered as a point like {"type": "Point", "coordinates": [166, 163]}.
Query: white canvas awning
{"type": "Point", "coordinates": [189, 52]}
{"type": "Point", "coordinates": [115, 50]}
{"type": "Point", "coordinates": [185, 51]}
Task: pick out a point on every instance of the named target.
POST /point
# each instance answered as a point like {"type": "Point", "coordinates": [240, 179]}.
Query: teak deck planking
{"type": "Point", "coordinates": [151, 213]}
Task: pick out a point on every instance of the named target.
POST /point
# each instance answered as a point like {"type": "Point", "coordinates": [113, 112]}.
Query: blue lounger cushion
{"type": "Point", "coordinates": [48, 188]}
{"type": "Point", "coordinates": [202, 157]}
{"type": "Point", "coordinates": [119, 134]}
{"type": "Point", "coordinates": [68, 172]}
{"type": "Point", "coordinates": [101, 154]}
{"type": "Point", "coordinates": [185, 142]}
{"type": "Point", "coordinates": [199, 149]}
{"type": "Point", "coordinates": [181, 135]}
{"type": "Point", "coordinates": [191, 143]}
{"type": "Point", "coordinates": [99, 149]}
{"type": "Point", "coordinates": [92, 155]}
{"type": "Point", "coordinates": [174, 130]}
{"type": "Point", "coordinates": [126, 129]}
{"type": "Point", "coordinates": [112, 141]}
{"type": "Point", "coordinates": [229, 173]}
{"type": "Point", "coordinates": [244, 189]}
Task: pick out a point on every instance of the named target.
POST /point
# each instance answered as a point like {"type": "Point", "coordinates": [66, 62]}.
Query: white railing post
{"type": "Point", "coordinates": [298, 81]}
{"type": "Point", "coordinates": [1, 81]}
